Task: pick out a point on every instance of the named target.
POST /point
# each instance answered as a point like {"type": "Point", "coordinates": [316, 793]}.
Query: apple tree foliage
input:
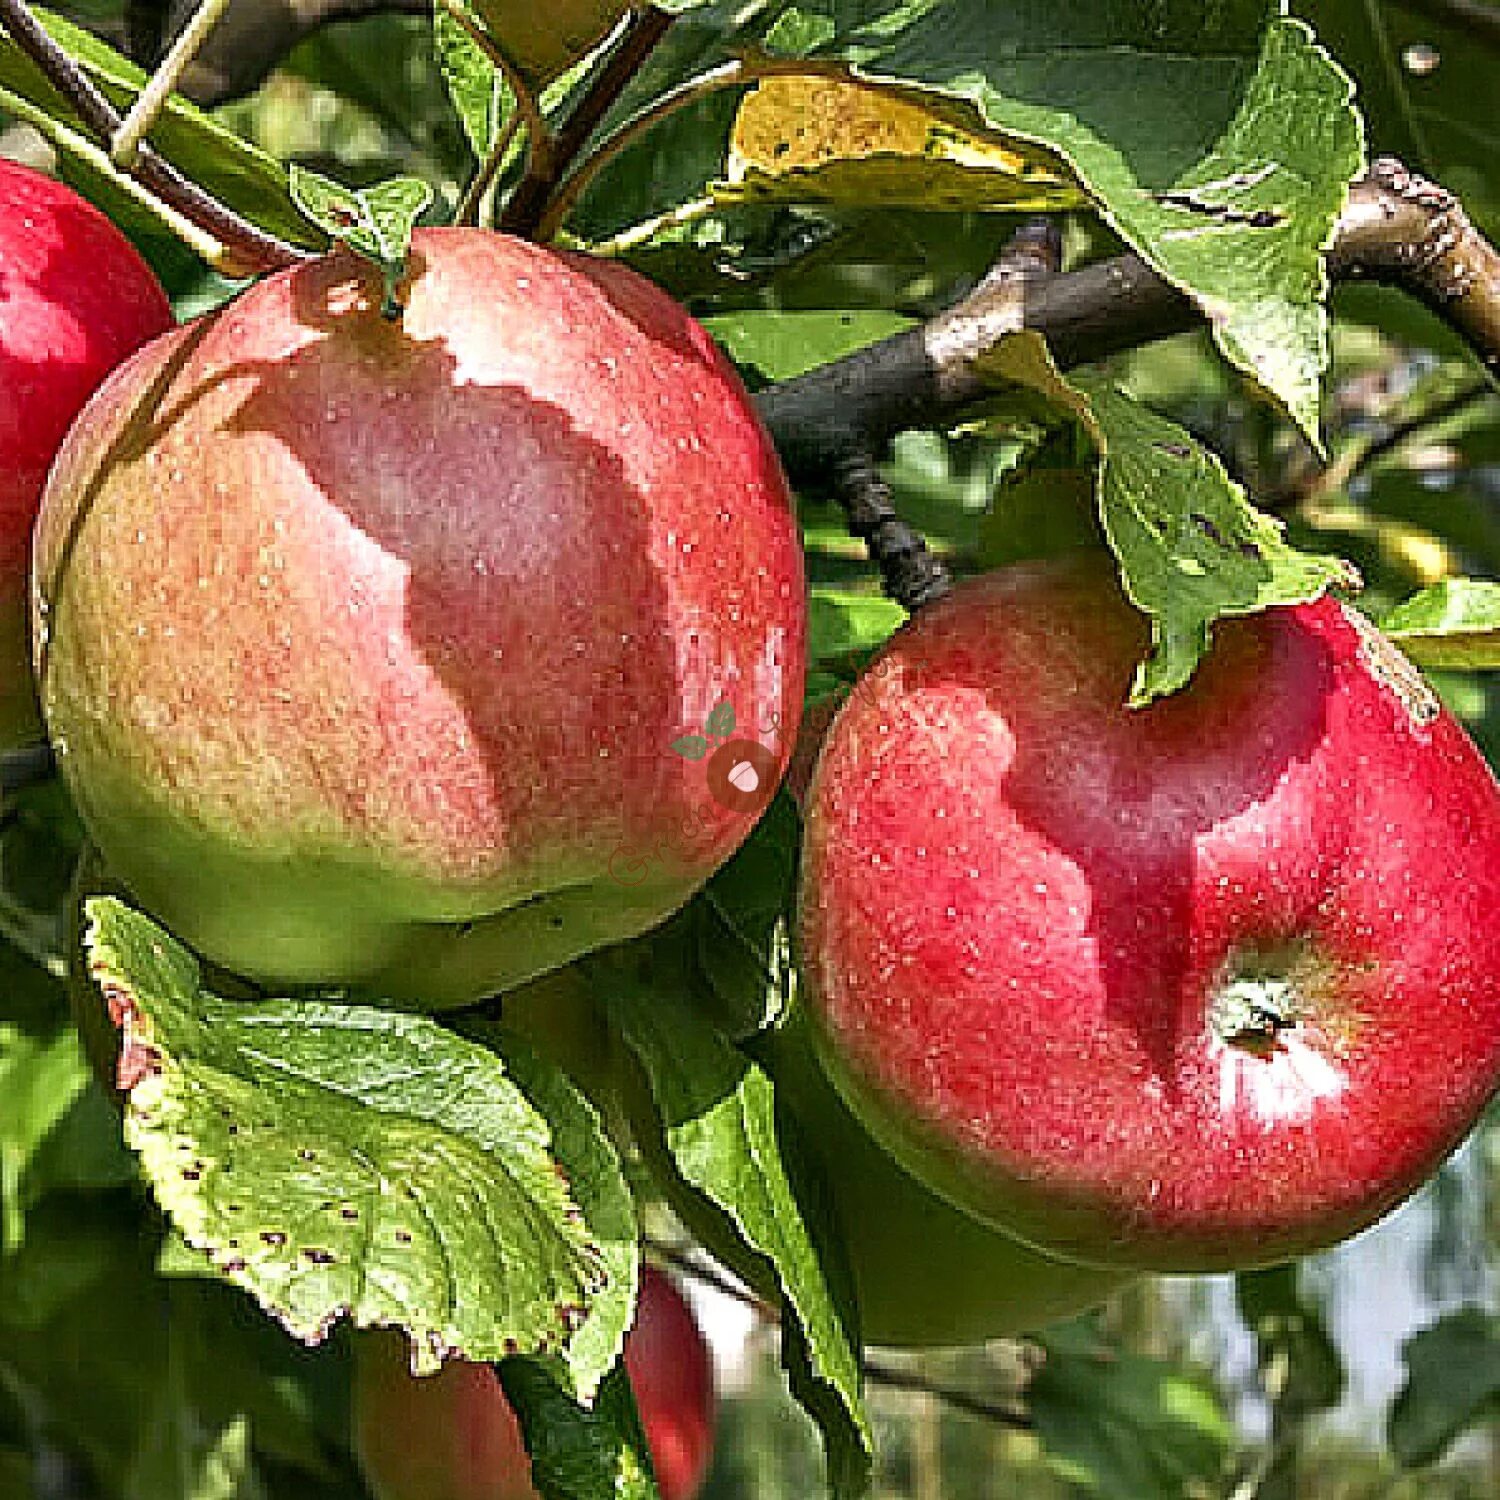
{"type": "Point", "coordinates": [808, 178]}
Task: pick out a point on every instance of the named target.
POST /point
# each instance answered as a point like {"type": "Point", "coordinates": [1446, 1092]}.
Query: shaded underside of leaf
{"type": "Point", "coordinates": [1452, 1381]}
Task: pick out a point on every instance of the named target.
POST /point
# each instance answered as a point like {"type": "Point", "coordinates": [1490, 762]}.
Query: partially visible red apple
{"type": "Point", "coordinates": [1206, 985]}
{"type": "Point", "coordinates": [453, 1435]}
{"type": "Point", "coordinates": [364, 644]}
{"type": "Point", "coordinates": [75, 299]}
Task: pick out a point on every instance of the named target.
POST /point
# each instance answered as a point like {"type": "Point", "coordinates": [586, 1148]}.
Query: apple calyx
{"type": "Point", "coordinates": [1252, 1012]}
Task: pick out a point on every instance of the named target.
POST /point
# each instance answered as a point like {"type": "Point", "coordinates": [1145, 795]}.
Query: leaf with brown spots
{"type": "Point", "coordinates": [342, 1161]}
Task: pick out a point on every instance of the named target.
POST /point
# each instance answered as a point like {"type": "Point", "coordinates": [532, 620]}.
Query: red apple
{"type": "Point", "coordinates": [1206, 985]}
{"type": "Point", "coordinates": [75, 299]}
{"type": "Point", "coordinates": [453, 1435]}
{"type": "Point", "coordinates": [364, 644]}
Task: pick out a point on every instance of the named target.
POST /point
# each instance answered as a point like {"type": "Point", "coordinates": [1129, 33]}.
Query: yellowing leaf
{"type": "Point", "coordinates": [825, 138]}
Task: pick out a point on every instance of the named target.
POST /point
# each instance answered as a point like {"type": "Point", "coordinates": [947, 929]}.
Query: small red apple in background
{"type": "Point", "coordinates": [1206, 985]}
{"type": "Point", "coordinates": [364, 643]}
{"type": "Point", "coordinates": [75, 299]}
{"type": "Point", "coordinates": [453, 1435]}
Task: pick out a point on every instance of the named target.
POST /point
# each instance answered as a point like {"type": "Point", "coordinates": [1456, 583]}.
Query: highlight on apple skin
{"type": "Point", "coordinates": [1210, 984]}
{"type": "Point", "coordinates": [364, 643]}
{"type": "Point", "coordinates": [75, 299]}
{"type": "Point", "coordinates": [453, 1435]}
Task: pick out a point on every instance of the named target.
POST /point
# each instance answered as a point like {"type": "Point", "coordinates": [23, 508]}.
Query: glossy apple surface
{"type": "Point", "coordinates": [364, 643]}
{"type": "Point", "coordinates": [75, 299]}
{"type": "Point", "coordinates": [1205, 985]}
{"type": "Point", "coordinates": [453, 1435]}
{"type": "Point", "coordinates": [925, 1274]}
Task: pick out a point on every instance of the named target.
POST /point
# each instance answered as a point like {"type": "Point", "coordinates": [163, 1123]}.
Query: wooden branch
{"type": "Point", "coordinates": [1402, 229]}
{"type": "Point", "coordinates": [1398, 228]}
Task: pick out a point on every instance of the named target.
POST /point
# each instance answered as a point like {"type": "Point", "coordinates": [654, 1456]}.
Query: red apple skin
{"type": "Point", "coordinates": [453, 1435]}
{"type": "Point", "coordinates": [364, 643]}
{"type": "Point", "coordinates": [1024, 906]}
{"type": "Point", "coordinates": [75, 299]}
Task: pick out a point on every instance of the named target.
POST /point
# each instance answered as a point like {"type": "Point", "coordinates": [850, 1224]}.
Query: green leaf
{"type": "Point", "coordinates": [744, 921]}
{"type": "Point", "coordinates": [40, 1079]}
{"type": "Point", "coordinates": [201, 1465]}
{"type": "Point", "coordinates": [842, 624]}
{"type": "Point", "coordinates": [784, 343]}
{"type": "Point", "coordinates": [1114, 1423]}
{"type": "Point", "coordinates": [598, 1183]}
{"type": "Point", "coordinates": [725, 1139]}
{"type": "Point", "coordinates": [1191, 547]}
{"type": "Point", "coordinates": [1452, 1383]}
{"type": "Point", "coordinates": [1455, 623]}
{"type": "Point", "coordinates": [1217, 143]}
{"type": "Point", "coordinates": [475, 84]}
{"type": "Point", "coordinates": [1292, 1340]}
{"type": "Point", "coordinates": [248, 179]}
{"type": "Point", "coordinates": [720, 723]}
{"type": "Point", "coordinates": [376, 221]}
{"type": "Point", "coordinates": [691, 746]}
{"type": "Point", "coordinates": [340, 1160]}
{"type": "Point", "coordinates": [580, 1453]}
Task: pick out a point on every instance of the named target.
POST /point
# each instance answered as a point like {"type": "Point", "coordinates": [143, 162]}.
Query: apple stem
{"type": "Point", "coordinates": [911, 574]}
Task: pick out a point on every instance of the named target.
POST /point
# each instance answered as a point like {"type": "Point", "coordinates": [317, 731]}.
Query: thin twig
{"type": "Point", "coordinates": [247, 248]}
{"type": "Point", "coordinates": [687, 1264]}
{"type": "Point", "coordinates": [125, 145]}
{"type": "Point", "coordinates": [539, 138]}
{"type": "Point", "coordinates": [467, 211]}
{"type": "Point", "coordinates": [732, 74]}
{"type": "Point", "coordinates": [1003, 1414]}
{"type": "Point", "coordinates": [877, 1371]}
{"type": "Point", "coordinates": [209, 249]}
{"type": "Point", "coordinates": [639, 38]}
